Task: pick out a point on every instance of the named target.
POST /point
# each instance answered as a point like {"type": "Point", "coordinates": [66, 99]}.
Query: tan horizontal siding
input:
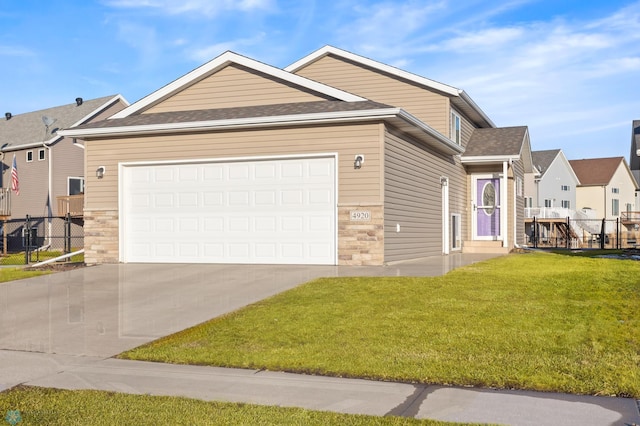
{"type": "Point", "coordinates": [427, 105]}
{"type": "Point", "coordinates": [413, 197]}
{"type": "Point", "coordinates": [355, 186]}
{"type": "Point", "coordinates": [234, 86]}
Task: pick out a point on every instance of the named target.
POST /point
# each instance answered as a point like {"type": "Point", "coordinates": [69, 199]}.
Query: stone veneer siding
{"type": "Point", "coordinates": [101, 236]}
{"type": "Point", "coordinates": [360, 242]}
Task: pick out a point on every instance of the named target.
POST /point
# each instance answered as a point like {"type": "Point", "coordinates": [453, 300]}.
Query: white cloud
{"type": "Point", "coordinates": [202, 7]}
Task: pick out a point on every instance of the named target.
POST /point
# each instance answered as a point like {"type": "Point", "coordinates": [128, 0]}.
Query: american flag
{"type": "Point", "coordinates": [15, 186]}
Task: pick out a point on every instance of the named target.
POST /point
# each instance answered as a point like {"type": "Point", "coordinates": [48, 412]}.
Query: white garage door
{"type": "Point", "coordinates": [273, 211]}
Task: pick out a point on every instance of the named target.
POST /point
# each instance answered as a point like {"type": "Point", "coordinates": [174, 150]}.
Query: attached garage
{"type": "Point", "coordinates": [264, 210]}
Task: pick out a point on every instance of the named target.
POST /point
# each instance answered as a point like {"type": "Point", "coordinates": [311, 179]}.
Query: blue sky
{"type": "Point", "coordinates": [569, 69]}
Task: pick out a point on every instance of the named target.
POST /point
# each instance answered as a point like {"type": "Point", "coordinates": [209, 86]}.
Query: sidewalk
{"type": "Point", "coordinates": [353, 396]}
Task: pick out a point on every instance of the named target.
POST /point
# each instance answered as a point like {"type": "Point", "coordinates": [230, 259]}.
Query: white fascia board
{"type": "Point", "coordinates": [479, 159]}
{"type": "Point", "coordinates": [234, 122]}
{"type": "Point", "coordinates": [326, 50]}
{"type": "Point", "coordinates": [32, 145]}
{"type": "Point", "coordinates": [224, 60]}
{"type": "Point", "coordinates": [285, 120]}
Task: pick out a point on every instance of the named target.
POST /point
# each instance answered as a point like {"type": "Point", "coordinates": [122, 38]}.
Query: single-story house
{"type": "Point", "coordinates": [337, 159]}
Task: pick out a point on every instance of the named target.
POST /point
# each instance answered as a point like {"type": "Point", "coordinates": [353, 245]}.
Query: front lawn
{"type": "Point", "coordinates": [12, 274]}
{"type": "Point", "coordinates": [535, 321]}
{"type": "Point", "coordinates": [38, 406]}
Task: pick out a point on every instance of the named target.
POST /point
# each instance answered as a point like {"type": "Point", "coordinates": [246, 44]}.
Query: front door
{"type": "Point", "coordinates": [487, 208]}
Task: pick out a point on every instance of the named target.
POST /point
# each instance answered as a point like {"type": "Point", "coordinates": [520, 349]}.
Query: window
{"type": "Point", "coordinates": [75, 185]}
{"type": "Point", "coordinates": [615, 190]}
{"type": "Point", "coordinates": [565, 188]}
{"type": "Point", "coordinates": [519, 186]}
{"type": "Point", "coordinates": [528, 202]}
{"type": "Point", "coordinates": [29, 156]}
{"type": "Point", "coordinates": [629, 207]}
{"type": "Point", "coordinates": [455, 128]}
{"type": "Point", "coordinates": [566, 204]}
{"type": "Point", "coordinates": [41, 155]}
{"type": "Point", "coordinates": [615, 207]}
{"type": "Point", "coordinates": [547, 203]}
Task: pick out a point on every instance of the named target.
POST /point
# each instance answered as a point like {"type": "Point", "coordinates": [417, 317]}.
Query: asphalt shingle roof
{"type": "Point", "coordinates": [28, 128]}
{"type": "Point", "coordinates": [543, 159]}
{"type": "Point", "coordinates": [219, 114]}
{"type": "Point", "coordinates": [595, 171]}
{"type": "Point", "coordinates": [496, 141]}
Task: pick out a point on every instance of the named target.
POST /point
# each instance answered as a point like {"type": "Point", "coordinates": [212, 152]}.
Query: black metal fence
{"type": "Point", "coordinates": [33, 239]}
{"type": "Point", "coordinates": [582, 233]}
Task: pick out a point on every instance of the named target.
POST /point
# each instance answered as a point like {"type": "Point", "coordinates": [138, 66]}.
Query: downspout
{"type": "Point", "coordinates": [504, 205]}
{"type": "Point", "coordinates": [50, 212]}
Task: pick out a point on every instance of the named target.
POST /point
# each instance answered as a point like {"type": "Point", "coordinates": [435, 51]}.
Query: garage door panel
{"type": "Point", "coordinates": [280, 211]}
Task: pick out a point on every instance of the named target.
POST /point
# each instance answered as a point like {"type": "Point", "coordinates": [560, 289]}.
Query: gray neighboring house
{"type": "Point", "coordinates": [50, 172]}
{"type": "Point", "coordinates": [49, 165]}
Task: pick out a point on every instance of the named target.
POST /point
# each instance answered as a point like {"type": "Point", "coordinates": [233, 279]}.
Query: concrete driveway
{"type": "Point", "coordinates": [59, 330]}
{"type": "Point", "coordinates": [104, 310]}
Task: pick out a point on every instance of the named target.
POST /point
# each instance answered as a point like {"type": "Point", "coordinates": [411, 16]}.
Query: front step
{"type": "Point", "coordinates": [479, 246]}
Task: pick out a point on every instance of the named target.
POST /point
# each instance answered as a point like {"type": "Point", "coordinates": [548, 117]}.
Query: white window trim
{"type": "Point", "coordinates": [43, 156]}
{"type": "Point", "coordinates": [69, 183]}
{"type": "Point", "coordinates": [27, 155]}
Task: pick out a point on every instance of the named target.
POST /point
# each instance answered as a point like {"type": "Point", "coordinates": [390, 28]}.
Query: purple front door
{"type": "Point", "coordinates": [488, 207]}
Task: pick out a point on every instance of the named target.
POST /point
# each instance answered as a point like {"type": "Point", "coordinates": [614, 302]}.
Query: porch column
{"type": "Point", "coordinates": [504, 205]}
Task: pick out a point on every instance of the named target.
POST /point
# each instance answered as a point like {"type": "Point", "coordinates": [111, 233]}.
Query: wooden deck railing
{"type": "Point", "coordinates": [5, 202]}
{"type": "Point", "coordinates": [629, 217]}
{"type": "Point", "coordinates": [71, 204]}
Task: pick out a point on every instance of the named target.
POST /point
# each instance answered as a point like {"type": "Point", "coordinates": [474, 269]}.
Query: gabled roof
{"type": "Point", "coordinates": [500, 143]}
{"type": "Point", "coordinates": [264, 116]}
{"type": "Point", "coordinates": [543, 159]}
{"type": "Point", "coordinates": [223, 61]}
{"type": "Point", "coordinates": [23, 131]}
{"type": "Point", "coordinates": [491, 146]}
{"type": "Point", "coordinates": [596, 171]}
{"type": "Point", "coordinates": [458, 97]}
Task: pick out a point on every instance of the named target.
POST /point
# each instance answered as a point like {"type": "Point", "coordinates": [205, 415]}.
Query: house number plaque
{"type": "Point", "coordinates": [360, 215]}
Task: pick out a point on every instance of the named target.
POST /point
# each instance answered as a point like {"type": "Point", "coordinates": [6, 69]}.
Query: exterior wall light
{"type": "Point", "coordinates": [100, 172]}
{"type": "Point", "coordinates": [358, 162]}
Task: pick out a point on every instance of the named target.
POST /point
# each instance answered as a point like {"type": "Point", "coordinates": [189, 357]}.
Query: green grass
{"type": "Point", "coordinates": [12, 274]}
{"type": "Point", "coordinates": [529, 321]}
{"type": "Point", "coordinates": [50, 407]}
{"type": "Point", "coordinates": [19, 258]}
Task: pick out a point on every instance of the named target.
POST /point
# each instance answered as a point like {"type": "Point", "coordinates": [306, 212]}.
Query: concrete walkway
{"type": "Point", "coordinates": [61, 331]}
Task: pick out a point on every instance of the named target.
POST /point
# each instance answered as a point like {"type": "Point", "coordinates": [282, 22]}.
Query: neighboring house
{"type": "Point", "coordinates": [50, 166]}
{"type": "Point", "coordinates": [553, 187]}
{"type": "Point", "coordinates": [550, 198]}
{"type": "Point", "coordinates": [338, 159]}
{"type": "Point", "coordinates": [606, 186]}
